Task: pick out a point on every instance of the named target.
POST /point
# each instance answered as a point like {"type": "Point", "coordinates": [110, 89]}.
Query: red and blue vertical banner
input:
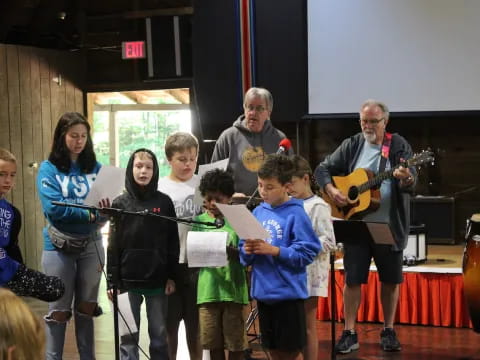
{"type": "Point", "coordinates": [245, 18]}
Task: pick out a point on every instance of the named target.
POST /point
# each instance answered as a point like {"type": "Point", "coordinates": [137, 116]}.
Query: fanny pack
{"type": "Point", "coordinates": [67, 242]}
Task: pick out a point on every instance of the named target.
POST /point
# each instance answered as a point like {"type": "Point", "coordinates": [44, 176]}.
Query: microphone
{"type": "Point", "coordinates": [284, 146]}
{"type": "Point", "coordinates": [219, 222]}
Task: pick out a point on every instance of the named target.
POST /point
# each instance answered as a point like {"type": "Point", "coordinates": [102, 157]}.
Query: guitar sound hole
{"type": "Point", "coordinates": [352, 193]}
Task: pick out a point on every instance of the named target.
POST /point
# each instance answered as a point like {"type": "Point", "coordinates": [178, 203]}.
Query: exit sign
{"type": "Point", "coordinates": [133, 49]}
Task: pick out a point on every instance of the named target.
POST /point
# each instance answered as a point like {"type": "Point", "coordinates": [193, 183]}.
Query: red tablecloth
{"type": "Point", "coordinates": [425, 299]}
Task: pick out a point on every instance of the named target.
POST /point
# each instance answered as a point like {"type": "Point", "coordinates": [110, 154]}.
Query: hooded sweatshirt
{"type": "Point", "coordinates": [246, 151]}
{"type": "Point", "coordinates": [70, 187]}
{"type": "Point", "coordinates": [143, 250]}
{"type": "Point", "coordinates": [10, 255]}
{"type": "Point", "coordinates": [282, 277]}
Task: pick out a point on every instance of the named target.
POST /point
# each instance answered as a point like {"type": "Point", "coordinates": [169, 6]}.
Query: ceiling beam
{"type": "Point", "coordinates": [181, 95]}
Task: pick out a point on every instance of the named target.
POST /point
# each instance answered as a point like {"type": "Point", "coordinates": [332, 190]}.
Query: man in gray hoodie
{"type": "Point", "coordinates": [249, 140]}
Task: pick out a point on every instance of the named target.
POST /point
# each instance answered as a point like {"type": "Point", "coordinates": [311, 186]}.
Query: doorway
{"type": "Point", "coordinates": [125, 121]}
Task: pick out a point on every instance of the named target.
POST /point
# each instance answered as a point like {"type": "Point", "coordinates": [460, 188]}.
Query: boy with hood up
{"type": "Point", "coordinates": [142, 254]}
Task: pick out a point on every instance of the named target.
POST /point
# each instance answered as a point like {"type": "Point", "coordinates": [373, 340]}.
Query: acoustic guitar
{"type": "Point", "coordinates": [362, 187]}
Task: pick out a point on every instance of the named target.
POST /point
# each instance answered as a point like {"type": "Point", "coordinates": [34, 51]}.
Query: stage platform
{"type": "Point", "coordinates": [431, 294]}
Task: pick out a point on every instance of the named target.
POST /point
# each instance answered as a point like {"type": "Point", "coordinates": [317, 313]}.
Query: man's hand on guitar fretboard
{"type": "Point", "coordinates": [403, 173]}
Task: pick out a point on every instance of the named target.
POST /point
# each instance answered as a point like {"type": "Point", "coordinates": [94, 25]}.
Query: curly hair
{"type": "Point", "coordinates": [277, 166]}
{"type": "Point", "coordinates": [217, 180]}
{"type": "Point", "coordinates": [60, 155]}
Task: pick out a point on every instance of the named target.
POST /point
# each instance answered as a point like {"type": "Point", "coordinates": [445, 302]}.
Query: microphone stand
{"type": "Point", "coordinates": [115, 321]}
{"type": "Point", "coordinates": [251, 197]}
{"type": "Point", "coordinates": [333, 303]}
{"type": "Point", "coordinates": [116, 212]}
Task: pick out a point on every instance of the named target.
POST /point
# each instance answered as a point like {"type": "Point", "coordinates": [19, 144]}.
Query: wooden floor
{"type": "Point", "coordinates": [418, 342]}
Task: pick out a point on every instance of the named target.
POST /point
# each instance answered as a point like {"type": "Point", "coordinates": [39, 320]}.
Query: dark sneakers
{"type": "Point", "coordinates": [389, 341]}
{"type": "Point", "coordinates": [347, 342]}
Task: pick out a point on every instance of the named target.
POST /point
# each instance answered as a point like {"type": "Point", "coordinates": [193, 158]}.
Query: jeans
{"type": "Point", "coordinates": [81, 275]}
{"type": "Point", "coordinates": [156, 316]}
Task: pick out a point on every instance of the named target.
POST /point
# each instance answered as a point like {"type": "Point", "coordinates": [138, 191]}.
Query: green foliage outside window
{"type": "Point", "coordinates": [138, 129]}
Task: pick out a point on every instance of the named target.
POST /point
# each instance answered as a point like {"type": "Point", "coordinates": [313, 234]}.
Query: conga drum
{"type": "Point", "coordinates": [471, 270]}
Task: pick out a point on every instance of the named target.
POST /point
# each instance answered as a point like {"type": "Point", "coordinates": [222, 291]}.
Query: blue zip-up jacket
{"type": "Point", "coordinates": [283, 277]}
{"type": "Point", "coordinates": [71, 187]}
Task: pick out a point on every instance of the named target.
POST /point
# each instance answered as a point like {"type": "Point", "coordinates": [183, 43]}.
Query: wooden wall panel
{"type": "Point", "coordinates": [38, 152]}
{"type": "Point", "coordinates": [29, 194]}
{"type": "Point", "coordinates": [46, 113]}
{"type": "Point", "coordinates": [80, 101]}
{"type": "Point", "coordinates": [14, 115]}
{"type": "Point", "coordinates": [57, 92]}
{"type": "Point", "coordinates": [31, 104]}
{"type": "Point", "coordinates": [69, 95]}
{"type": "Point", "coordinates": [4, 119]}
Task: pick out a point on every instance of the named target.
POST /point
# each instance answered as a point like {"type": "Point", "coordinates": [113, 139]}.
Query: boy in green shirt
{"type": "Point", "coordinates": [222, 291]}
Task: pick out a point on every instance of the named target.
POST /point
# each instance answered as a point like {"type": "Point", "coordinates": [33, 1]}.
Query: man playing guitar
{"type": "Point", "coordinates": [374, 149]}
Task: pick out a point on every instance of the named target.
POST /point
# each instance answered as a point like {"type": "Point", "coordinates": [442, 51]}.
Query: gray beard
{"type": "Point", "coordinates": [371, 138]}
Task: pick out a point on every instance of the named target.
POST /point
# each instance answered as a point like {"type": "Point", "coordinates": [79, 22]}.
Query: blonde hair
{"type": "Point", "coordinates": [179, 142]}
{"type": "Point", "coordinates": [20, 328]}
{"type": "Point", "coordinates": [143, 155]}
{"type": "Point", "coordinates": [6, 155]}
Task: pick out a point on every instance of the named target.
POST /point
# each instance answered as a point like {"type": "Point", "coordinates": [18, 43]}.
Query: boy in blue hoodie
{"type": "Point", "coordinates": [279, 280]}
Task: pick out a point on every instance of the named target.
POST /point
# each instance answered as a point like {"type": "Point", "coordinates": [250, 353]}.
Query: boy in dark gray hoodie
{"type": "Point", "coordinates": [142, 254]}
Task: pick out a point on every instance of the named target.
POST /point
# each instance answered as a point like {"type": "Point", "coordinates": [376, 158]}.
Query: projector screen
{"type": "Point", "coordinates": [414, 55]}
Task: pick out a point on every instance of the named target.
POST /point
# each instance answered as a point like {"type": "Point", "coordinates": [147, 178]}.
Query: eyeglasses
{"type": "Point", "coordinates": [258, 108]}
{"type": "Point", "coordinates": [372, 122]}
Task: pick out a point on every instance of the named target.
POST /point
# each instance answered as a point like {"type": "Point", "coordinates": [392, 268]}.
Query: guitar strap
{"type": "Point", "coordinates": [387, 140]}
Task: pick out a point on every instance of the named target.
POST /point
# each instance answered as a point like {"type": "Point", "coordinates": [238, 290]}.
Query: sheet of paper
{"type": "Point", "coordinates": [221, 164]}
{"type": "Point", "coordinates": [126, 310]}
{"type": "Point", "coordinates": [202, 169]}
{"type": "Point", "coordinates": [243, 222]}
{"type": "Point", "coordinates": [381, 233]}
{"type": "Point", "coordinates": [207, 249]}
{"type": "Point", "coordinates": [109, 184]}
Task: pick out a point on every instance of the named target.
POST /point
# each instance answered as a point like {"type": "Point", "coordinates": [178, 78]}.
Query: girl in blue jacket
{"type": "Point", "coordinates": [67, 176]}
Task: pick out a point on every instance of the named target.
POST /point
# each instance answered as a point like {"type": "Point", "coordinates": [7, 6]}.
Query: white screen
{"type": "Point", "coordinates": [414, 55]}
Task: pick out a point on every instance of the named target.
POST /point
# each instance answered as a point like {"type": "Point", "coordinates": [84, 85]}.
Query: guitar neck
{"type": "Point", "coordinates": [376, 180]}
{"type": "Point", "coordinates": [362, 180]}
